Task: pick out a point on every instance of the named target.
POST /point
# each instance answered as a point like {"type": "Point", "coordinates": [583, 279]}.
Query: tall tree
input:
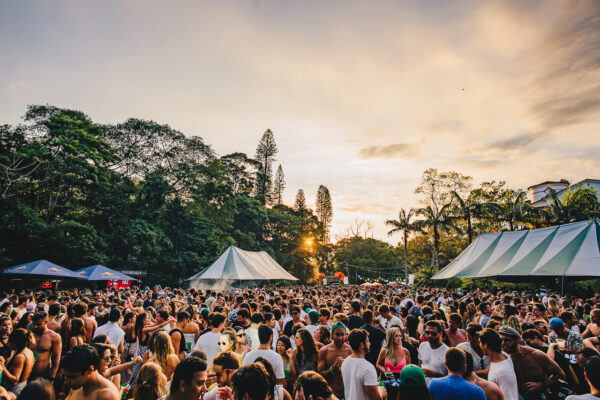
{"type": "Point", "coordinates": [405, 225]}
{"type": "Point", "coordinates": [300, 203]}
{"type": "Point", "coordinates": [265, 155]}
{"type": "Point", "coordinates": [278, 186]}
{"type": "Point", "coordinates": [437, 220]}
{"type": "Point", "coordinates": [512, 208]}
{"type": "Point", "coordinates": [324, 210]}
{"type": "Point", "coordinates": [467, 208]}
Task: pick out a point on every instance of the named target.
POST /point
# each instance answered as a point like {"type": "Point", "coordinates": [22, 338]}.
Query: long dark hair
{"type": "Point", "coordinates": [406, 392]}
{"type": "Point", "coordinates": [139, 324]}
{"type": "Point", "coordinates": [20, 339]}
{"type": "Point", "coordinates": [77, 328]}
{"type": "Point", "coordinates": [308, 347]}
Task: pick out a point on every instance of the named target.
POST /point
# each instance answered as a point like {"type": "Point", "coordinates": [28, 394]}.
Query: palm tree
{"type": "Point", "coordinates": [436, 219]}
{"type": "Point", "coordinates": [404, 225]}
{"type": "Point", "coordinates": [512, 209]}
{"type": "Point", "coordinates": [577, 204]}
{"type": "Point", "coordinates": [467, 209]}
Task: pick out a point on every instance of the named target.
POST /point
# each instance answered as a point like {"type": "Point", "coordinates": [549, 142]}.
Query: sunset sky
{"type": "Point", "coordinates": [362, 96]}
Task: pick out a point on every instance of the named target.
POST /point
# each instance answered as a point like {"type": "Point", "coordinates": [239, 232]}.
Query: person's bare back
{"type": "Point", "coordinates": [456, 337]}
{"type": "Point", "coordinates": [330, 363]}
{"type": "Point", "coordinates": [100, 389]}
{"type": "Point", "coordinates": [491, 390]}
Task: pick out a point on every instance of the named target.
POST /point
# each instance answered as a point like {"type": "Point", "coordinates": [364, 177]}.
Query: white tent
{"type": "Point", "coordinates": [236, 264]}
{"type": "Point", "coordinates": [570, 250]}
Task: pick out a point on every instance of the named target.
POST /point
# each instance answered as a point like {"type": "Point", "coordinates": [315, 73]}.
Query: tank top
{"type": "Point", "coordinates": [189, 342]}
{"type": "Point", "coordinates": [182, 346]}
{"type": "Point", "coordinates": [394, 368]}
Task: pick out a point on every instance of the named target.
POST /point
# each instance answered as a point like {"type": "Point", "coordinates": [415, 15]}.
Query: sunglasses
{"type": "Point", "coordinates": [294, 313]}
{"type": "Point", "coordinates": [241, 335]}
{"type": "Point", "coordinates": [432, 333]}
{"type": "Point", "coordinates": [223, 343]}
{"type": "Point", "coordinates": [506, 340]}
{"type": "Point", "coordinates": [107, 358]}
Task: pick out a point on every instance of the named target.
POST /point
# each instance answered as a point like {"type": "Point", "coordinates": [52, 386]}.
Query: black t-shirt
{"type": "Point", "coordinates": [4, 349]}
{"type": "Point", "coordinates": [287, 329]}
{"type": "Point", "coordinates": [355, 322]}
{"type": "Point", "coordinates": [376, 338]}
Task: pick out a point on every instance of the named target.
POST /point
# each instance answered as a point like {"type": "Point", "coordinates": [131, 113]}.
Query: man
{"type": "Point", "coordinates": [454, 333]}
{"type": "Point", "coordinates": [376, 336]}
{"type": "Point", "coordinates": [387, 319]}
{"type": "Point", "coordinates": [572, 341]}
{"type": "Point", "coordinates": [209, 342]}
{"type": "Point", "coordinates": [252, 332]}
{"type": "Point", "coordinates": [542, 327]}
{"type": "Point", "coordinates": [189, 380]}
{"type": "Point", "coordinates": [324, 315]}
{"type": "Point", "coordinates": [53, 314]}
{"type": "Point", "coordinates": [250, 382]}
{"type": "Point", "coordinates": [89, 324]}
{"type": "Point", "coordinates": [486, 310]}
{"type": "Point", "coordinates": [243, 318]}
{"type": "Point", "coordinates": [112, 329]}
{"type": "Point", "coordinates": [432, 352]}
{"type": "Point", "coordinates": [534, 369]}
{"type": "Point", "coordinates": [265, 336]}
{"type": "Point", "coordinates": [593, 328]}
{"type": "Point", "coordinates": [272, 323]}
{"type": "Point", "coordinates": [592, 376]}
{"type": "Point", "coordinates": [80, 370]}
{"type": "Point", "coordinates": [535, 339]}
{"type": "Point", "coordinates": [355, 320]}
{"type": "Point", "coordinates": [523, 315]}
{"type": "Point", "coordinates": [501, 372]}
{"type": "Point", "coordinates": [296, 319]}
{"type": "Point", "coordinates": [359, 376]}
{"type": "Point", "coordinates": [454, 386]}
{"type": "Point", "coordinates": [223, 366]}
{"type": "Point", "coordinates": [491, 390]}
{"type": "Point", "coordinates": [473, 347]}
{"type": "Point", "coordinates": [48, 346]}
{"type": "Point", "coordinates": [313, 317]}
{"type": "Point", "coordinates": [5, 329]}
{"type": "Point", "coordinates": [331, 358]}
{"type": "Point", "coordinates": [163, 317]}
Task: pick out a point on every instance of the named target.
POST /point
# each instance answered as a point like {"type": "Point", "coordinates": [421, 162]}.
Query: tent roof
{"type": "Point", "coordinates": [42, 268]}
{"type": "Point", "coordinates": [101, 273]}
{"type": "Point", "coordinates": [564, 250]}
{"type": "Point", "coordinates": [237, 264]}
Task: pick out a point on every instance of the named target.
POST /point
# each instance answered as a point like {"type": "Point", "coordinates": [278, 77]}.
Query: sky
{"type": "Point", "coordinates": [362, 96]}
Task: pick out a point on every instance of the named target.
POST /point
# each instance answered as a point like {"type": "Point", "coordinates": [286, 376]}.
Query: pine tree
{"type": "Point", "coordinates": [265, 155]}
{"type": "Point", "coordinates": [324, 210]}
{"type": "Point", "coordinates": [300, 203]}
{"type": "Point", "coordinates": [278, 186]}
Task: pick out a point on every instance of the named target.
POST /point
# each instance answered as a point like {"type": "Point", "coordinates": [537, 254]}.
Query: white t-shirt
{"type": "Point", "coordinates": [356, 374]}
{"type": "Point", "coordinates": [393, 321]}
{"type": "Point", "coordinates": [252, 334]}
{"type": "Point", "coordinates": [212, 394]}
{"type": "Point", "coordinates": [312, 329]}
{"type": "Point", "coordinates": [433, 359]}
{"type": "Point", "coordinates": [273, 357]}
{"type": "Point", "coordinates": [113, 331]}
{"type": "Point", "coordinates": [503, 374]}
{"type": "Point", "coordinates": [209, 342]}
{"type": "Point", "coordinates": [478, 362]}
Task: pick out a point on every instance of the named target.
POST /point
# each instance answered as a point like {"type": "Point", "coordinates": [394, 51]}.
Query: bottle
{"type": "Point", "coordinates": [389, 375]}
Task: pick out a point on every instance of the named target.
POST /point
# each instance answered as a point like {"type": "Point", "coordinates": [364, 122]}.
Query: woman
{"type": "Point", "coordinates": [277, 392]}
{"type": "Point", "coordinates": [310, 384]}
{"type": "Point", "coordinates": [76, 333]}
{"type": "Point", "coordinates": [322, 336]}
{"type": "Point", "coordinates": [553, 308]}
{"type": "Point", "coordinates": [304, 358]}
{"type": "Point", "coordinates": [240, 341]}
{"type": "Point", "coordinates": [142, 330]}
{"type": "Point", "coordinates": [162, 352]}
{"type": "Point", "coordinates": [16, 373]}
{"type": "Point", "coordinates": [25, 321]}
{"type": "Point", "coordinates": [129, 341]}
{"type": "Point", "coordinates": [283, 344]}
{"type": "Point", "coordinates": [151, 383]}
{"type": "Point", "coordinates": [514, 323]}
{"type": "Point", "coordinates": [110, 365]}
{"type": "Point", "coordinates": [227, 342]}
{"type": "Point", "coordinates": [38, 389]}
{"type": "Point", "coordinates": [393, 357]}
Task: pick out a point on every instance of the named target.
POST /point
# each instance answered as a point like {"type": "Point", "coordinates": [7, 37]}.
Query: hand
{"type": "Point", "coordinates": [534, 386]}
{"type": "Point", "coordinates": [225, 393]}
{"type": "Point", "coordinates": [210, 379]}
{"type": "Point", "coordinates": [138, 360]}
{"type": "Point", "coordinates": [300, 395]}
{"type": "Point", "coordinates": [289, 352]}
{"type": "Point", "coordinates": [338, 362]}
{"type": "Point", "coordinates": [427, 371]}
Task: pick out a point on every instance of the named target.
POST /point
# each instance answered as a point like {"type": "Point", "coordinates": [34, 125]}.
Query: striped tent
{"type": "Point", "coordinates": [241, 265]}
{"type": "Point", "coordinates": [570, 250]}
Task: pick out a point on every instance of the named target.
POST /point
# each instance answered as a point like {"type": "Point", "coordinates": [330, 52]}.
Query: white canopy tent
{"type": "Point", "coordinates": [570, 250]}
{"type": "Point", "coordinates": [241, 265]}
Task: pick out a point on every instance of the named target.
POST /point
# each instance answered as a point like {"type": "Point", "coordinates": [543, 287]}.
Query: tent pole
{"type": "Point", "coordinates": [562, 286]}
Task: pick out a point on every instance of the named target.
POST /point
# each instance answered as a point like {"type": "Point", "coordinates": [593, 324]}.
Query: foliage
{"type": "Point", "coordinates": [367, 257]}
{"type": "Point", "coordinates": [265, 155]}
{"type": "Point", "coordinates": [324, 210]}
{"type": "Point", "coordinates": [278, 186]}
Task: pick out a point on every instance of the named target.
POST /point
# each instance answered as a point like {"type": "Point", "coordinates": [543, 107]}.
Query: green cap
{"type": "Point", "coordinates": [411, 375]}
{"type": "Point", "coordinates": [313, 315]}
{"type": "Point", "coordinates": [337, 325]}
{"type": "Point", "coordinates": [205, 311]}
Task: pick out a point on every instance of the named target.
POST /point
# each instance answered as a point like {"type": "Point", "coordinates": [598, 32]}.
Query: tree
{"type": "Point", "coordinates": [265, 155]}
{"type": "Point", "coordinates": [575, 204]}
{"type": "Point", "coordinates": [300, 203]}
{"type": "Point", "coordinates": [278, 186]}
{"type": "Point", "coordinates": [324, 210]}
{"type": "Point", "coordinates": [241, 172]}
{"type": "Point", "coordinates": [367, 257]}
{"type": "Point", "coordinates": [467, 209]}
{"type": "Point", "coordinates": [404, 225]}
{"type": "Point", "coordinates": [512, 208]}
{"type": "Point", "coordinates": [437, 220]}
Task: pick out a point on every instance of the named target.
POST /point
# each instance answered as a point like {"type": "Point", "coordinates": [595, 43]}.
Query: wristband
{"type": "Point", "coordinates": [132, 363]}
{"type": "Point", "coordinates": [331, 370]}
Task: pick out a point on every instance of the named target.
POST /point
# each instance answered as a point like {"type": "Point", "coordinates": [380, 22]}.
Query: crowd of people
{"type": "Point", "coordinates": [299, 342]}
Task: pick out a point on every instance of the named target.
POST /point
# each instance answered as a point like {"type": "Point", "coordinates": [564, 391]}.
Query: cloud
{"type": "Point", "coordinates": [518, 142]}
{"type": "Point", "coordinates": [397, 150]}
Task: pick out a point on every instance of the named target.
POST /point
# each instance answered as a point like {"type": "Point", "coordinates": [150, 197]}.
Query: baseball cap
{"type": "Point", "coordinates": [556, 323]}
{"type": "Point", "coordinates": [337, 325]}
{"type": "Point", "coordinates": [412, 375]}
{"type": "Point", "coordinates": [314, 315]}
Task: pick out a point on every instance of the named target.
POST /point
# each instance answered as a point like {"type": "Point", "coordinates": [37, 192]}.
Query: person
{"type": "Point", "coordinates": [265, 337]}
{"type": "Point", "coordinates": [296, 319]}
{"type": "Point", "coordinates": [223, 367]}
{"type": "Point", "coordinates": [108, 364]}
{"type": "Point", "coordinates": [276, 391]}
{"type": "Point", "coordinates": [305, 356]}
{"type": "Point", "coordinates": [592, 376]}
{"type": "Point", "coordinates": [393, 357]}
{"type": "Point", "coordinates": [283, 344]}
{"type": "Point", "coordinates": [355, 320]}
{"type": "Point", "coordinates": [252, 332]}
{"type": "Point", "coordinates": [162, 353]}
{"type": "Point", "coordinates": [250, 382]}
{"type": "Point", "coordinates": [485, 309]}
{"type": "Point", "coordinates": [112, 329]}
{"type": "Point", "coordinates": [240, 342]}
{"type": "Point", "coordinates": [5, 329]}
{"type": "Point", "coordinates": [184, 335]}
{"type": "Point", "coordinates": [534, 369]}
{"type": "Point", "coordinates": [412, 384]}
{"type": "Point", "coordinates": [376, 336]}
{"type": "Point", "coordinates": [388, 319]}
{"type": "Point", "coordinates": [432, 352]}
{"type": "Point", "coordinates": [473, 346]}
{"type": "Point", "coordinates": [359, 375]}
{"type": "Point", "coordinates": [209, 342]}
{"type": "Point", "coordinates": [454, 386]}
{"type": "Point", "coordinates": [331, 358]}
{"type": "Point", "coordinates": [19, 368]}
{"type": "Point", "coordinates": [322, 336]}
{"type": "Point", "coordinates": [37, 389]}
{"type": "Point", "coordinates": [491, 390]}
{"type": "Point", "coordinates": [189, 380]}
{"type": "Point", "coordinates": [454, 333]}
{"type": "Point", "coordinates": [313, 326]}
{"type": "Point", "coordinates": [501, 371]}
{"type": "Point", "coordinates": [53, 314]}
{"type": "Point", "coordinates": [76, 333]}
{"type": "Point", "coordinates": [46, 348]}
{"type": "Point", "coordinates": [151, 382]}
{"type": "Point", "coordinates": [312, 385]}
{"type": "Point", "coordinates": [565, 339]}
{"type": "Point", "coordinates": [79, 368]}
{"type": "Point", "coordinates": [89, 324]}
{"type": "Point", "coordinates": [593, 328]}
{"type": "Point", "coordinates": [535, 339]}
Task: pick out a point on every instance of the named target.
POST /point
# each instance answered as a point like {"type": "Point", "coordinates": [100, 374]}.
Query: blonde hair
{"type": "Point", "coordinates": [162, 347]}
{"type": "Point", "coordinates": [389, 338]}
{"type": "Point", "coordinates": [149, 382]}
{"type": "Point", "coordinates": [553, 307]}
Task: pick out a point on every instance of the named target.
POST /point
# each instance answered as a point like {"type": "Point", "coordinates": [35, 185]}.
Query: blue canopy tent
{"type": "Point", "coordinates": [101, 273]}
{"type": "Point", "coordinates": [41, 269]}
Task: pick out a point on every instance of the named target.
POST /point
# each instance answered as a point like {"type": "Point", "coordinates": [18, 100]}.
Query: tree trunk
{"type": "Point", "coordinates": [436, 247]}
{"type": "Point", "coordinates": [469, 229]}
{"type": "Point", "coordinates": [405, 258]}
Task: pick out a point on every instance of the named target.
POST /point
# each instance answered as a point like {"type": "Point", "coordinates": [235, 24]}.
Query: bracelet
{"type": "Point", "coordinates": [331, 370]}
{"type": "Point", "coordinates": [132, 363]}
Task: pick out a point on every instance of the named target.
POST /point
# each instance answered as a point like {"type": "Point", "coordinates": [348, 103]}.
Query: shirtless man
{"type": "Point", "coordinates": [47, 346]}
{"type": "Point", "coordinates": [89, 324]}
{"type": "Point", "coordinates": [523, 315]}
{"type": "Point", "coordinates": [184, 332]}
{"type": "Point", "coordinates": [593, 329]}
{"type": "Point", "coordinates": [455, 334]}
{"type": "Point", "coordinates": [331, 358]}
{"type": "Point", "coordinates": [491, 390]}
{"type": "Point", "coordinates": [79, 369]}
{"type": "Point", "coordinates": [53, 313]}
{"type": "Point", "coordinates": [534, 369]}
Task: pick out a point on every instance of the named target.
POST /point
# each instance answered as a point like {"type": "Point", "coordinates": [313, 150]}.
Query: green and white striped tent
{"type": "Point", "coordinates": [570, 250]}
{"type": "Point", "coordinates": [241, 265]}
